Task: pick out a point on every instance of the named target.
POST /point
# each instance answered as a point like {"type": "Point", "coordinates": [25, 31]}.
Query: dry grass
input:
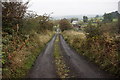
{"type": "Point", "coordinates": [75, 33]}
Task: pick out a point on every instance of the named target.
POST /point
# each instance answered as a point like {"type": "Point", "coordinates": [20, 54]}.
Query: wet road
{"type": "Point", "coordinates": [44, 66]}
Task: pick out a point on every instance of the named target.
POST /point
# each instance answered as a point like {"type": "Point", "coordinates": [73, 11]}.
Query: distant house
{"type": "Point", "coordinates": [75, 24]}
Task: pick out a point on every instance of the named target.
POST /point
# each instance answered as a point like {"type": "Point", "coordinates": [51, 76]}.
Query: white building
{"type": "Point", "coordinates": [74, 22]}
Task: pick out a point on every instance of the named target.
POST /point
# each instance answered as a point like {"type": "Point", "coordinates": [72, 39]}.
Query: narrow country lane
{"type": "Point", "coordinates": [79, 67]}
{"type": "Point", "coordinates": [60, 39]}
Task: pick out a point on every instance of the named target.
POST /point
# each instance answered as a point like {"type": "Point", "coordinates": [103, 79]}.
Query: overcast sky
{"type": "Point", "coordinates": [73, 7]}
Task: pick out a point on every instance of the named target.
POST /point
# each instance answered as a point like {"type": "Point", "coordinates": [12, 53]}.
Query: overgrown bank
{"type": "Point", "coordinates": [24, 35]}
{"type": "Point", "coordinates": [19, 61]}
{"type": "Point", "coordinates": [102, 49]}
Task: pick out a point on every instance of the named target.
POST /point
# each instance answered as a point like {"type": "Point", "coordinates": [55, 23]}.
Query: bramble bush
{"type": "Point", "coordinates": [23, 37]}
{"type": "Point", "coordinates": [100, 46]}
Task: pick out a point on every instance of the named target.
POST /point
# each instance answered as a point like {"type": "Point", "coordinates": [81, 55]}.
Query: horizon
{"type": "Point", "coordinates": [72, 16]}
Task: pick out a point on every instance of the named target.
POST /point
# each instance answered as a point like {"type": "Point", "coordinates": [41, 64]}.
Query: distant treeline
{"type": "Point", "coordinates": [108, 17]}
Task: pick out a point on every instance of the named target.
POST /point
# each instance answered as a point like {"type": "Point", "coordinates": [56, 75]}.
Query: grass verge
{"type": "Point", "coordinates": [61, 68]}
